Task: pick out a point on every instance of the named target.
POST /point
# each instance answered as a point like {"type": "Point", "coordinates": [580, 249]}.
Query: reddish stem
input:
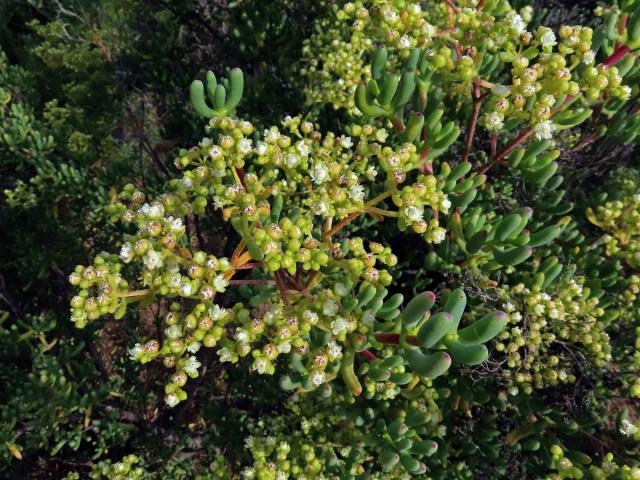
{"type": "Point", "coordinates": [453, 6]}
{"type": "Point", "coordinates": [616, 56]}
{"type": "Point", "coordinates": [494, 144]}
{"type": "Point", "coordinates": [475, 94]}
{"type": "Point", "coordinates": [250, 265]}
{"type": "Point", "coordinates": [368, 355]}
{"type": "Point", "coordinates": [281, 287]}
{"type": "Point", "coordinates": [394, 339]}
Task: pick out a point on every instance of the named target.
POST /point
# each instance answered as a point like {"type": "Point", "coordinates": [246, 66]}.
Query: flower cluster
{"type": "Point", "coordinates": [540, 324]}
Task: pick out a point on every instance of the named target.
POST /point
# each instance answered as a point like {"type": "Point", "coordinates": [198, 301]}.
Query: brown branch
{"type": "Point", "coordinates": [475, 94]}
{"type": "Point", "coordinates": [340, 225]}
{"type": "Point", "coordinates": [453, 6]}
{"type": "Point", "coordinates": [258, 281]}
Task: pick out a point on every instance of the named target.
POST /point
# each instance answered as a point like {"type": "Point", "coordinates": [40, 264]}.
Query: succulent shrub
{"type": "Point", "coordinates": [427, 268]}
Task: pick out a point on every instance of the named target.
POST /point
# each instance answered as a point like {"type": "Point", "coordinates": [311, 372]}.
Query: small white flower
{"type": "Point", "coordinates": [292, 160]}
{"type": "Point", "coordinates": [320, 208]}
{"type": "Point", "coordinates": [191, 366]}
{"type": "Point", "coordinates": [346, 142]}
{"type": "Point", "coordinates": [220, 283]}
{"type": "Point", "coordinates": [205, 142]}
{"type": "Point", "coordinates": [330, 308]}
{"type": "Point", "coordinates": [445, 204]}
{"type": "Point", "coordinates": [245, 146]}
{"type": "Point", "coordinates": [544, 130]}
{"type": "Point", "coordinates": [126, 252]}
{"type": "Point", "coordinates": [311, 317]}
{"type": "Point", "coordinates": [260, 365]}
{"type": "Point", "coordinates": [368, 317]}
{"type": "Point", "coordinates": [414, 213]}
{"type": "Point", "coordinates": [272, 135]}
{"type": "Point", "coordinates": [152, 260]}
{"type": "Point", "coordinates": [261, 148]}
{"type": "Point", "coordinates": [338, 326]}
{"type": "Point", "coordinates": [539, 309]}
{"type": "Point", "coordinates": [404, 42]}
{"type": "Point", "coordinates": [371, 173]}
{"type": "Point", "coordinates": [171, 400]}
{"type": "Point", "coordinates": [284, 347]}
{"type": "Point", "coordinates": [225, 355]}
{"type": "Point", "coordinates": [303, 148]}
{"type": "Point", "coordinates": [217, 313]}
{"type": "Point", "coordinates": [135, 352]}
{"type": "Point", "coordinates": [627, 428]}
{"type": "Point", "coordinates": [186, 289]}
{"type": "Point", "coordinates": [242, 336]}
{"type": "Point", "coordinates": [319, 174]}
{"type": "Point", "coordinates": [356, 192]}
{"type": "Point", "coordinates": [173, 332]}
{"type": "Point", "coordinates": [588, 57]}
{"type": "Point", "coordinates": [439, 235]}
{"type": "Point", "coordinates": [215, 152]}
{"type": "Point", "coordinates": [187, 183]}
{"type": "Point", "coordinates": [546, 37]}
{"type": "Point", "coordinates": [194, 346]}
{"type": "Point", "coordinates": [381, 135]}
{"type": "Point", "coordinates": [334, 350]}
{"type": "Point", "coordinates": [493, 121]}
{"type": "Point", "coordinates": [317, 378]}
{"type": "Point", "coordinates": [517, 23]}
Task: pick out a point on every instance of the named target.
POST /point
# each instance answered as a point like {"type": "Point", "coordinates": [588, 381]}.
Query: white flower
{"type": "Point", "coordinates": [191, 366]}
{"type": "Point", "coordinates": [627, 428]}
{"type": "Point", "coordinates": [217, 313]}
{"type": "Point", "coordinates": [517, 23]}
{"type": "Point", "coordinates": [334, 350]}
{"type": "Point", "coordinates": [404, 42]}
{"type": "Point", "coordinates": [260, 365]}
{"type": "Point", "coordinates": [175, 279]}
{"type": "Point", "coordinates": [187, 183]}
{"type": "Point", "coordinates": [445, 204]}
{"type": "Point", "coordinates": [493, 121]}
{"type": "Point", "coordinates": [320, 208]}
{"type": "Point", "coordinates": [544, 130]}
{"type": "Point", "coordinates": [319, 174]}
{"type": "Point", "coordinates": [242, 336]}
{"type": "Point", "coordinates": [546, 37]}
{"type": "Point", "coordinates": [368, 317]}
{"type": "Point", "coordinates": [371, 173]}
{"type": "Point", "coordinates": [135, 352]}
{"type": "Point", "coordinates": [176, 226]}
{"type": "Point", "coordinates": [220, 283]}
{"type": "Point", "coordinates": [194, 346]}
{"type": "Point", "coordinates": [126, 252]}
{"type": "Point", "coordinates": [174, 331]}
{"type": "Point", "coordinates": [225, 355]}
{"type": "Point", "coordinates": [303, 148]}
{"type": "Point", "coordinates": [186, 289]}
{"type": "Point", "coordinates": [215, 152]}
{"type": "Point", "coordinates": [338, 326]}
{"type": "Point", "coordinates": [413, 213]}
{"type": "Point", "coordinates": [329, 308]}
{"type": "Point", "coordinates": [588, 57]}
{"type": "Point", "coordinates": [152, 260]}
{"type": "Point", "coordinates": [272, 135]}
{"type": "Point", "coordinates": [381, 135]}
{"type": "Point", "coordinates": [284, 347]}
{"type": "Point", "coordinates": [539, 309]}
{"type": "Point", "coordinates": [311, 317]}
{"type": "Point", "coordinates": [205, 142]}
{"type": "Point", "coordinates": [292, 160]}
{"type": "Point", "coordinates": [346, 142]}
{"type": "Point", "coordinates": [356, 192]}
{"type": "Point", "coordinates": [317, 378]}
{"type": "Point", "coordinates": [261, 148]}
{"type": "Point", "coordinates": [439, 235]}
{"type": "Point", "coordinates": [171, 400]}
{"type": "Point", "coordinates": [244, 146]}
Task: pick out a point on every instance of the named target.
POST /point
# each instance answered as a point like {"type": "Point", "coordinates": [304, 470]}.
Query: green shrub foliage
{"type": "Point", "coordinates": [407, 244]}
